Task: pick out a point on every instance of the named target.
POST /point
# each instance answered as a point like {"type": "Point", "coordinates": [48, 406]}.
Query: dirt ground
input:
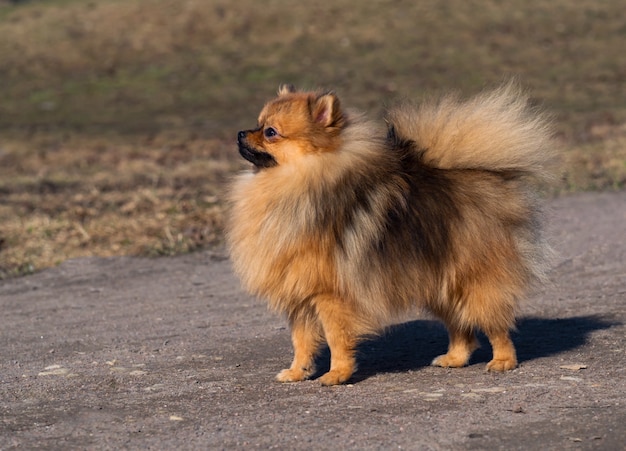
{"type": "Point", "coordinates": [126, 353]}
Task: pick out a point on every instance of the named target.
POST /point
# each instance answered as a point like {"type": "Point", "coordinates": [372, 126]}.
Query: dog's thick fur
{"type": "Point", "coordinates": [346, 227]}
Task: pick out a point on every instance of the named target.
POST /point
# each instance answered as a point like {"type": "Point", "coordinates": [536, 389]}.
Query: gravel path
{"type": "Point", "coordinates": [169, 353]}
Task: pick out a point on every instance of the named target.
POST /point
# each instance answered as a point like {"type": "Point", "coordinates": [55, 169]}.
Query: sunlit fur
{"type": "Point", "coordinates": [358, 224]}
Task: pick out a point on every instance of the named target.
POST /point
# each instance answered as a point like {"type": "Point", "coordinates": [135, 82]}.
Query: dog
{"type": "Point", "coordinates": [346, 226]}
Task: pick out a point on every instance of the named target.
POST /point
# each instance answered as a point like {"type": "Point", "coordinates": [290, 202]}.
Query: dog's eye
{"type": "Point", "coordinates": [270, 132]}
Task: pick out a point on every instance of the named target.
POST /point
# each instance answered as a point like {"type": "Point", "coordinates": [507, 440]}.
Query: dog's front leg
{"type": "Point", "coordinates": [339, 326]}
{"type": "Point", "coordinates": [306, 336]}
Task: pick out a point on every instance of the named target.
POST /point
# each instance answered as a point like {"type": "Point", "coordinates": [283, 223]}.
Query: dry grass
{"type": "Point", "coordinates": [117, 117]}
{"type": "Point", "coordinates": [79, 197]}
{"type": "Point", "coordinates": [597, 164]}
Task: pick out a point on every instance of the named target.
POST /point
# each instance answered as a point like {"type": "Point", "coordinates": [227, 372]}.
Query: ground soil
{"type": "Point", "coordinates": [126, 353]}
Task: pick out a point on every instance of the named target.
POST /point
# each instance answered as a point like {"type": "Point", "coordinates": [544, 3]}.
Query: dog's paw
{"type": "Point", "coordinates": [335, 377]}
{"type": "Point", "coordinates": [292, 375]}
{"type": "Point", "coordinates": [502, 365]}
{"type": "Point", "coordinates": [449, 361]}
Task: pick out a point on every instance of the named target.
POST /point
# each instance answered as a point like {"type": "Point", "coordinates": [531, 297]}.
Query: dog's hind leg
{"type": "Point", "coordinates": [504, 356]}
{"type": "Point", "coordinates": [462, 343]}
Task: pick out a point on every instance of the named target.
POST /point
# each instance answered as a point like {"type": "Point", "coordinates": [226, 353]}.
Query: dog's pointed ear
{"type": "Point", "coordinates": [326, 110]}
{"type": "Point", "coordinates": [286, 89]}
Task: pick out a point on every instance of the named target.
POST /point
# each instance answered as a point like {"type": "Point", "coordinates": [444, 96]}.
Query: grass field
{"type": "Point", "coordinates": [117, 118]}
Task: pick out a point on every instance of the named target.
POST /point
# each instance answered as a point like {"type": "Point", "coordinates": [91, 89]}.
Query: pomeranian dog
{"type": "Point", "coordinates": [346, 226]}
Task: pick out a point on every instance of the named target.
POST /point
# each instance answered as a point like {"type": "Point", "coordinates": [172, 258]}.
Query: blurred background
{"type": "Point", "coordinates": [118, 117]}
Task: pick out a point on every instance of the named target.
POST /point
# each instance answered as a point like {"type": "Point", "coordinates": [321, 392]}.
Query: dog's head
{"type": "Point", "coordinates": [291, 126]}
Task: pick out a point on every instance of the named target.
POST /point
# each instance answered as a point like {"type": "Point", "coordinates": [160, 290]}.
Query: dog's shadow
{"type": "Point", "coordinates": [413, 345]}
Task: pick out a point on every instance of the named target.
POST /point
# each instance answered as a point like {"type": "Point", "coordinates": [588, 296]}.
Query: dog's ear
{"type": "Point", "coordinates": [286, 89]}
{"type": "Point", "coordinates": [326, 110]}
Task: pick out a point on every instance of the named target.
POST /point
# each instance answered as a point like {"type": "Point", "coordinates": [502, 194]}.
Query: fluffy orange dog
{"type": "Point", "coordinates": [346, 226]}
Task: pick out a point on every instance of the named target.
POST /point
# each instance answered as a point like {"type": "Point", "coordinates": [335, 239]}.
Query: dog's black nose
{"type": "Point", "coordinates": [241, 135]}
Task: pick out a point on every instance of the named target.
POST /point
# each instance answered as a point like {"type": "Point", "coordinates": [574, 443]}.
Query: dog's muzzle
{"type": "Point", "coordinates": [258, 158]}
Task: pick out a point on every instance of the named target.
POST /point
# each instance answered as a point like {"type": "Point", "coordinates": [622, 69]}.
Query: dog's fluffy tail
{"type": "Point", "coordinates": [496, 131]}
